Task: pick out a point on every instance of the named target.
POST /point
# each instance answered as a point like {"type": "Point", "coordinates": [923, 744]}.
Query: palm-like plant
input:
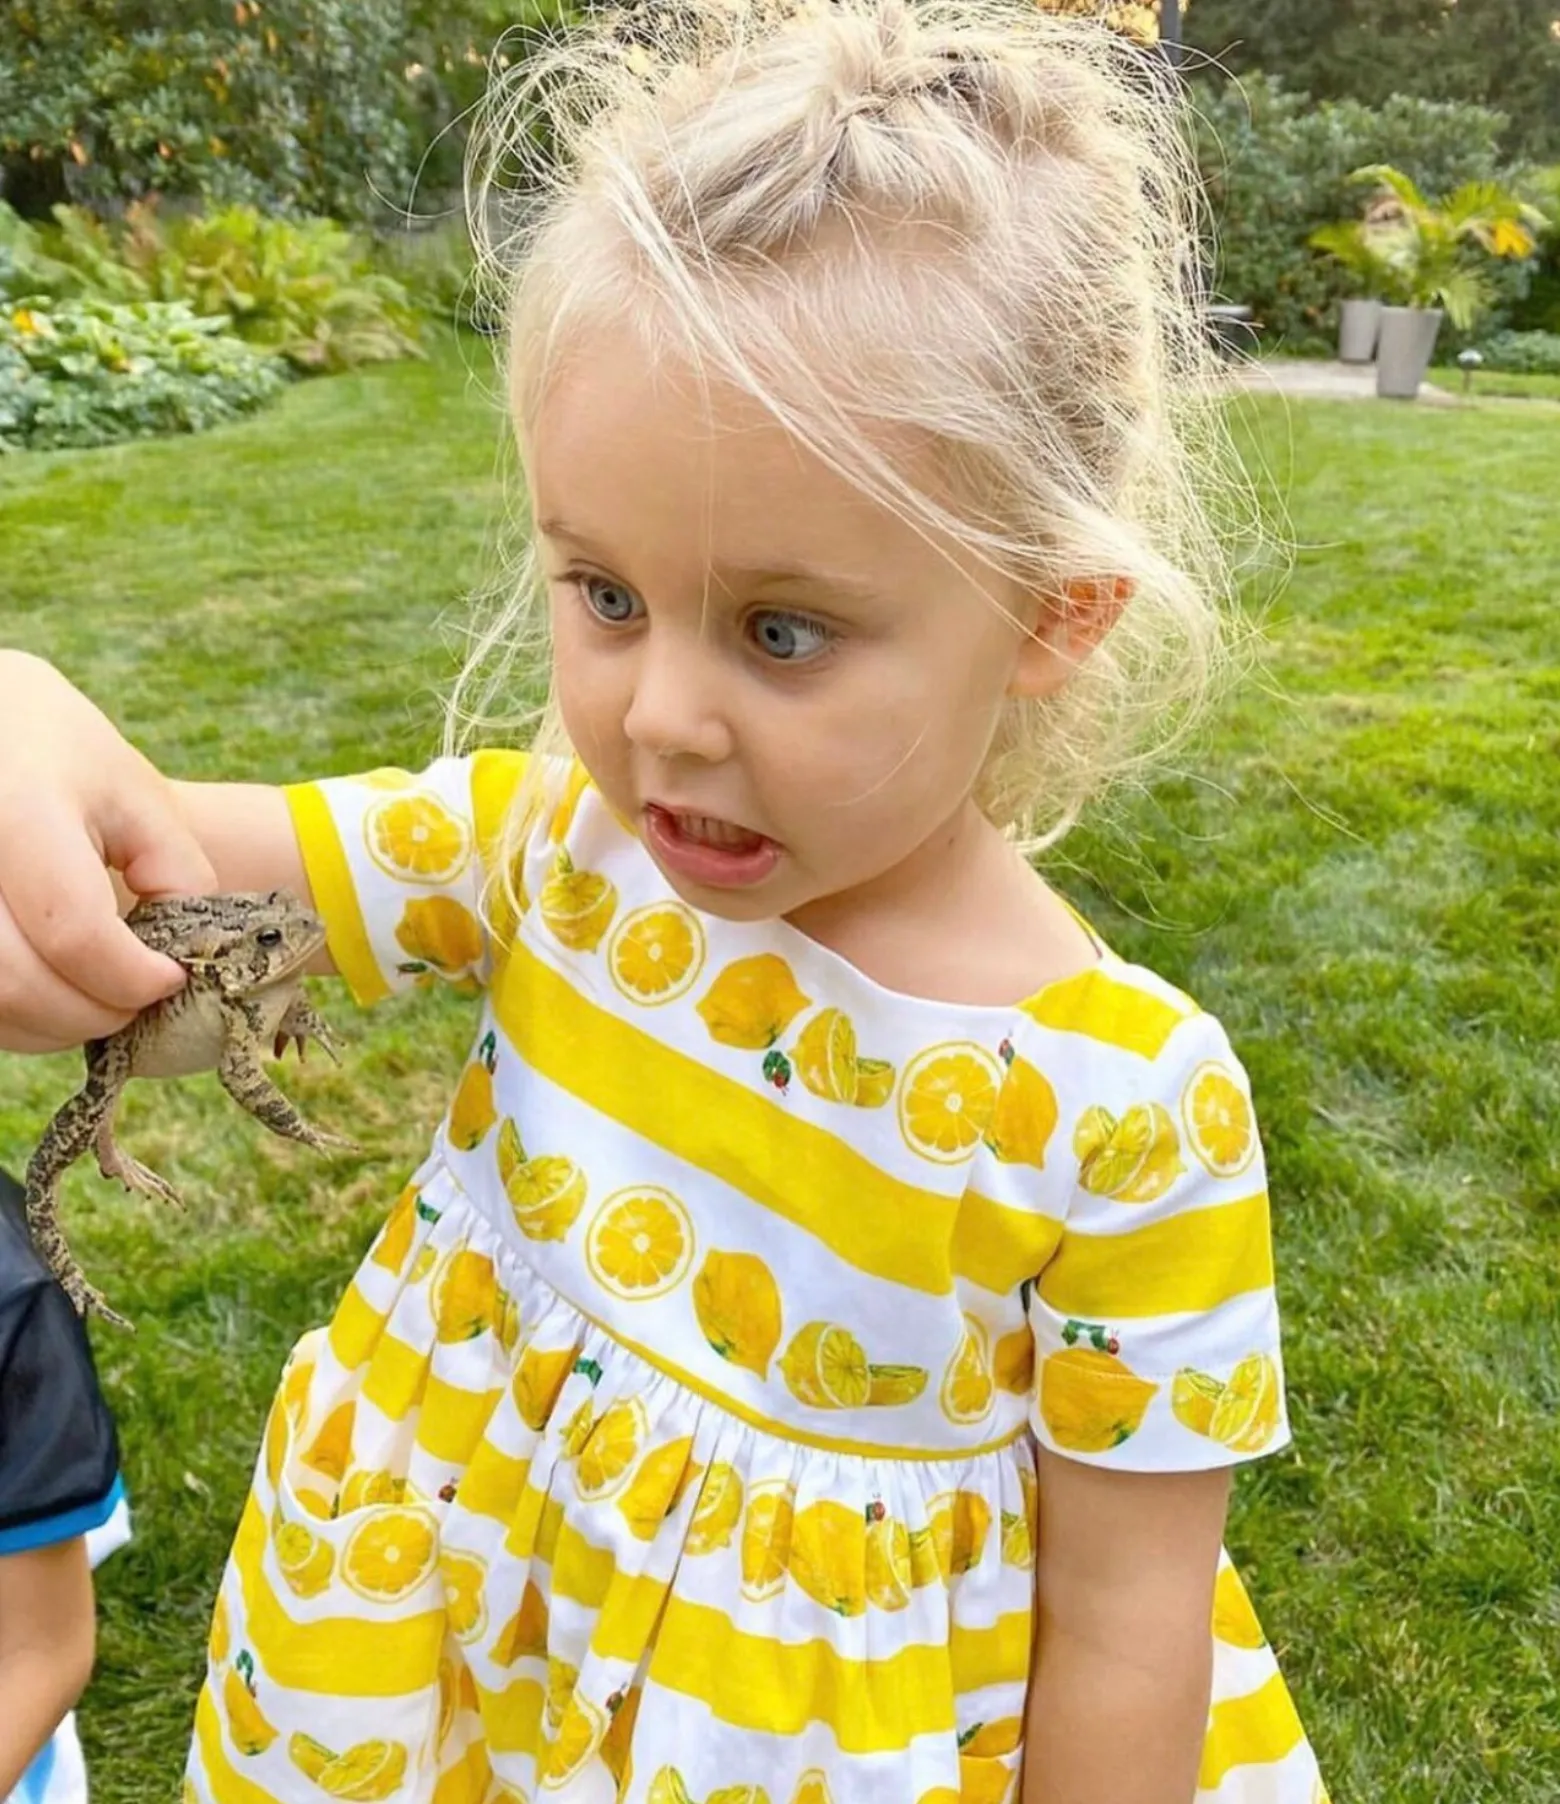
{"type": "Point", "coordinates": [1357, 250]}
{"type": "Point", "coordinates": [1423, 245]}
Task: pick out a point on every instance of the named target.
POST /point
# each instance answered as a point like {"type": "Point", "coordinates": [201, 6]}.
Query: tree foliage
{"type": "Point", "coordinates": [1495, 53]}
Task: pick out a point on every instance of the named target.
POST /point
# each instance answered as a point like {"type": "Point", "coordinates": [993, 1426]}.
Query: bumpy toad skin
{"type": "Point", "coordinates": [245, 956]}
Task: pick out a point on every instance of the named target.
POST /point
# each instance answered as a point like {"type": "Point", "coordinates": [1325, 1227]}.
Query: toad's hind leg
{"type": "Point", "coordinates": [115, 1162]}
{"type": "Point", "coordinates": [65, 1139]}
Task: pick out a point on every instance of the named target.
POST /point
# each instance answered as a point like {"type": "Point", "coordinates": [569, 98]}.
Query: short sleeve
{"type": "Point", "coordinates": [1155, 1320]}
{"type": "Point", "coordinates": [399, 866]}
{"type": "Point", "coordinates": [59, 1457]}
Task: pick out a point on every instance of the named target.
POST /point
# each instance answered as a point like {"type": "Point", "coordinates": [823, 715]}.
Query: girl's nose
{"type": "Point", "coordinates": [679, 703]}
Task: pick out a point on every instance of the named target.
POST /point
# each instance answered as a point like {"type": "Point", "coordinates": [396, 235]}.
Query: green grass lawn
{"type": "Point", "coordinates": [1359, 873]}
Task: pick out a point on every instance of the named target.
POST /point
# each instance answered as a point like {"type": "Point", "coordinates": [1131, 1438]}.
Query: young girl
{"type": "Point", "coordinates": [808, 1365]}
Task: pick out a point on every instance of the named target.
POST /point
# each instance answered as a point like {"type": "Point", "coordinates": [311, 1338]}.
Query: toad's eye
{"type": "Point", "coordinates": [269, 936]}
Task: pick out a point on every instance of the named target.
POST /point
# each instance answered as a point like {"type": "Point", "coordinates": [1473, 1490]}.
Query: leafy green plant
{"type": "Point", "coordinates": [1358, 253]}
{"type": "Point", "coordinates": [1429, 248]}
{"type": "Point", "coordinates": [92, 372]}
{"type": "Point", "coordinates": [306, 289]}
{"type": "Point", "coordinates": [1523, 353]}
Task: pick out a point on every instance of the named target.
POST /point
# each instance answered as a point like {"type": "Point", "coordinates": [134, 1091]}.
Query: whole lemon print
{"type": "Point", "coordinates": [416, 836]}
{"type": "Point", "coordinates": [472, 1113]}
{"type": "Point", "coordinates": [657, 1488]}
{"type": "Point", "coordinates": [640, 1243]}
{"type": "Point", "coordinates": [577, 906]}
{"type": "Point", "coordinates": [737, 1304]}
{"type": "Point", "coordinates": [441, 933]}
{"type": "Point", "coordinates": [1024, 1118]}
{"type": "Point", "coordinates": [752, 1003]}
{"type": "Point", "coordinates": [656, 953]}
{"type": "Point", "coordinates": [960, 1522]}
{"type": "Point", "coordinates": [1090, 1400]}
{"type": "Point", "coordinates": [1234, 1620]}
{"type": "Point", "coordinates": [946, 1100]}
{"type": "Point", "coordinates": [829, 1556]}
{"type": "Point", "coordinates": [247, 1724]}
{"type": "Point", "coordinates": [464, 1295]}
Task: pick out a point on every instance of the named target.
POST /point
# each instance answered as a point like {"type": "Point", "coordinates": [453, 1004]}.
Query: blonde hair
{"type": "Point", "coordinates": [958, 224]}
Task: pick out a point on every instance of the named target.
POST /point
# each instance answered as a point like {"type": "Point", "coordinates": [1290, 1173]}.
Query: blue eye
{"type": "Point", "coordinates": [789, 638]}
{"type": "Point", "coordinates": [610, 602]}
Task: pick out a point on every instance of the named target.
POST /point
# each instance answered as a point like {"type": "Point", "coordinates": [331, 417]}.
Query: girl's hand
{"type": "Point", "coordinates": [78, 802]}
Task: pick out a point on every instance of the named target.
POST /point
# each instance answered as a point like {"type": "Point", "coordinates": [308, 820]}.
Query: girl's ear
{"type": "Point", "coordinates": [1069, 624]}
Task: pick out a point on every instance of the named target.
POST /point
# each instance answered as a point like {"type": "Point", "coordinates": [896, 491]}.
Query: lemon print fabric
{"type": "Point", "coordinates": [702, 1379]}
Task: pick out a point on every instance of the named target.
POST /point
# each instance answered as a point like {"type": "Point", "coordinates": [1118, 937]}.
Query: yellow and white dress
{"type": "Point", "coordinates": [675, 1441]}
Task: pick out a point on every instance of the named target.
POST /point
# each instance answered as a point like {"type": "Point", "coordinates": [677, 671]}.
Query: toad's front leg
{"type": "Point", "coordinates": [240, 1074]}
{"type": "Point", "coordinates": [303, 1023]}
{"type": "Point", "coordinates": [88, 1114]}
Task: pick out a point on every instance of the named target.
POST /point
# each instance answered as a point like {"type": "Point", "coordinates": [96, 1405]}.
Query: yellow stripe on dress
{"type": "Point", "coordinates": [998, 1247]}
{"type": "Point", "coordinates": [1253, 1730]}
{"type": "Point", "coordinates": [872, 1706]}
{"type": "Point", "coordinates": [1193, 1261]}
{"type": "Point", "coordinates": [1104, 1008]}
{"type": "Point", "coordinates": [341, 1656]}
{"type": "Point", "coordinates": [335, 895]}
{"type": "Point", "coordinates": [224, 1781]}
{"type": "Point", "coordinates": [889, 1229]}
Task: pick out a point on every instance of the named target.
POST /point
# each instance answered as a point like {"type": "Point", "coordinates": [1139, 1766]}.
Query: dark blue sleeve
{"type": "Point", "coordinates": [59, 1457]}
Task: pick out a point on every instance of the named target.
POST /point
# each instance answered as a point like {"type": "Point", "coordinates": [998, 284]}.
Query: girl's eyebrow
{"type": "Point", "coordinates": [743, 577]}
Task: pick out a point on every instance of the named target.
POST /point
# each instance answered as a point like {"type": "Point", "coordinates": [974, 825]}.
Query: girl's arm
{"type": "Point", "coordinates": [78, 802]}
{"type": "Point", "coordinates": [47, 1640]}
{"type": "Point", "coordinates": [1125, 1573]}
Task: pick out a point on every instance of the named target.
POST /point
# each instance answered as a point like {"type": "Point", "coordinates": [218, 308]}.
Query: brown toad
{"type": "Point", "coordinates": [245, 956]}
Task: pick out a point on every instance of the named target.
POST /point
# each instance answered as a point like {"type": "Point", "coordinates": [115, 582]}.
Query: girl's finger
{"type": "Point", "coordinates": [62, 907]}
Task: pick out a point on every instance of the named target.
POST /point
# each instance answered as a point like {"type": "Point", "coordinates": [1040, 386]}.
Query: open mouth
{"type": "Point", "coordinates": [703, 849]}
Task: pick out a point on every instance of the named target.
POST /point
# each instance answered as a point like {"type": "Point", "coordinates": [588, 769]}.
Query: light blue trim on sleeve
{"type": "Point", "coordinates": [51, 1530]}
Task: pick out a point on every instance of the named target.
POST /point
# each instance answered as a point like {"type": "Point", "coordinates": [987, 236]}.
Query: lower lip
{"type": "Point", "coordinates": [711, 867]}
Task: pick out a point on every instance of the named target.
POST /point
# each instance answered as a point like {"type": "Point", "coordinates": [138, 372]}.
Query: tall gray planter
{"type": "Point", "coordinates": [1403, 349]}
{"type": "Point", "coordinates": [1358, 323]}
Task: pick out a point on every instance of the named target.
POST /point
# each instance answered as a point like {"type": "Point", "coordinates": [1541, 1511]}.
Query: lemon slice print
{"type": "Point", "coordinates": [825, 1056]}
{"type": "Point", "coordinates": [577, 906]}
{"type": "Point", "coordinates": [874, 1083]}
{"type": "Point", "coordinates": [465, 1593]}
{"type": "Point", "coordinates": [613, 1445]}
{"type": "Point", "coordinates": [812, 1788]}
{"type": "Point", "coordinates": [1216, 1114]}
{"type": "Point", "coordinates": [669, 1787]}
{"type": "Point", "coordinates": [639, 1244]}
{"type": "Point", "coordinates": [968, 1390]}
{"type": "Point", "coordinates": [825, 1366]}
{"type": "Point", "coordinates": [656, 954]}
{"type": "Point", "coordinates": [718, 1513]}
{"type": "Point", "coordinates": [306, 1562]}
{"type": "Point", "coordinates": [889, 1578]}
{"type": "Point", "coordinates": [416, 836]}
{"type": "Point", "coordinates": [1193, 1397]}
{"type": "Point", "coordinates": [1245, 1418]}
{"type": "Point", "coordinates": [391, 1553]}
{"type": "Point", "coordinates": [370, 1770]}
{"type": "Point", "coordinates": [946, 1100]}
{"type": "Point", "coordinates": [766, 1538]}
{"type": "Point", "coordinates": [579, 1735]}
{"type": "Point", "coordinates": [960, 1522]}
{"type": "Point", "coordinates": [1133, 1160]}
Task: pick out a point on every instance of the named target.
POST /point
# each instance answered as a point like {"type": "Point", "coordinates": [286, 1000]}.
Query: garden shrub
{"type": "Point", "coordinates": [306, 289]}
{"type": "Point", "coordinates": [1523, 353]}
{"type": "Point", "coordinates": [89, 372]}
{"type": "Point", "coordinates": [1276, 165]}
